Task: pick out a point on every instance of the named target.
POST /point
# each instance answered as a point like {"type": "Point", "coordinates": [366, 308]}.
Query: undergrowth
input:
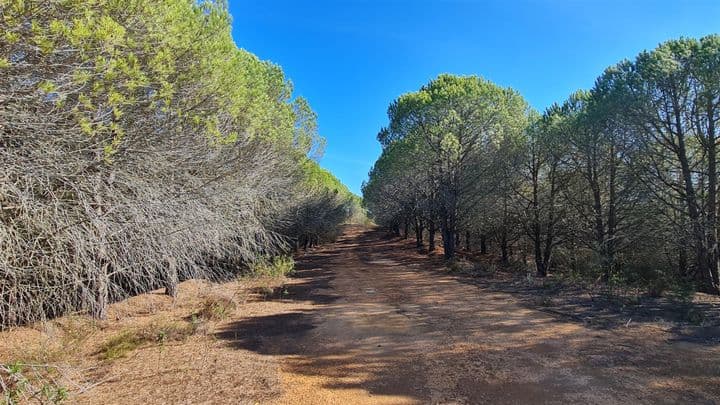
{"type": "Point", "coordinates": [154, 334]}
{"type": "Point", "coordinates": [216, 307]}
{"type": "Point", "coordinates": [22, 383]}
{"type": "Point", "coordinates": [278, 266]}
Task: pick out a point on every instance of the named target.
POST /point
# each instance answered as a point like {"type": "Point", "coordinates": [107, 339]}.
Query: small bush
{"type": "Point", "coordinates": [635, 300]}
{"type": "Point", "coordinates": [694, 316]}
{"type": "Point", "coordinates": [543, 301]}
{"type": "Point", "coordinates": [459, 266]}
{"type": "Point", "coordinates": [217, 308]}
{"type": "Point", "coordinates": [684, 291]}
{"type": "Point", "coordinates": [278, 266]}
{"type": "Point", "coordinates": [122, 344]}
{"type": "Point", "coordinates": [266, 292]}
{"type": "Point", "coordinates": [657, 288]}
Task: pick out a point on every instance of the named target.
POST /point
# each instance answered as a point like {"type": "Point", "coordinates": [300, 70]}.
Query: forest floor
{"type": "Point", "coordinates": [369, 320]}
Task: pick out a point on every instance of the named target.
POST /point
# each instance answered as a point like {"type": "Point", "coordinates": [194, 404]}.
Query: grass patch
{"type": "Point", "coordinates": [154, 334]}
{"type": "Point", "coordinates": [61, 340]}
{"type": "Point", "coordinates": [75, 332]}
{"type": "Point", "coordinates": [35, 375]}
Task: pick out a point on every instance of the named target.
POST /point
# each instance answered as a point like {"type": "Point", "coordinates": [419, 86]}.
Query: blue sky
{"type": "Point", "coordinates": [351, 58]}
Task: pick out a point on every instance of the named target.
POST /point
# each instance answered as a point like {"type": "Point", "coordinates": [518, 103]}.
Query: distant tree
{"type": "Point", "coordinates": [455, 119]}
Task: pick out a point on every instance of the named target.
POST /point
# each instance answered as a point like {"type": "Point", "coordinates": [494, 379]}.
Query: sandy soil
{"type": "Point", "coordinates": [370, 321]}
{"type": "Point", "coordinates": [388, 327]}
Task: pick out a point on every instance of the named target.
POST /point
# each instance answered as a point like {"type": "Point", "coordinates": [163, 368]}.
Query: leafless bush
{"type": "Point", "coordinates": [74, 235]}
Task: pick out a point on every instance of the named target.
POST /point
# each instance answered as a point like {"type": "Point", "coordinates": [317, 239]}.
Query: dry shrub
{"type": "Point", "coordinates": [217, 307]}
{"type": "Point", "coordinates": [73, 241]}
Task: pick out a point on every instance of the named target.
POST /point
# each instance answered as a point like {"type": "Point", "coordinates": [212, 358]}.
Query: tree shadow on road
{"type": "Point", "coordinates": [441, 341]}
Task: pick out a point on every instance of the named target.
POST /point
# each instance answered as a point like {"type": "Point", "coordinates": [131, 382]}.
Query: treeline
{"type": "Point", "coordinates": [140, 147]}
{"type": "Point", "coordinates": [618, 183]}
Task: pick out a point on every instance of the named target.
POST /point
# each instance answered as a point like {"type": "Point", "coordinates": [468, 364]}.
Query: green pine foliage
{"type": "Point", "coordinates": [141, 147]}
{"type": "Point", "coordinates": [617, 185]}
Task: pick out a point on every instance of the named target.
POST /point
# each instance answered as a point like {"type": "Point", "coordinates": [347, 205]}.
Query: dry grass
{"type": "Point", "coordinates": [90, 361]}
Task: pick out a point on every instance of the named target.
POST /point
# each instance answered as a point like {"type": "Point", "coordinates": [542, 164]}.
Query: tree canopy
{"type": "Point", "coordinates": [618, 182]}
{"type": "Point", "coordinates": [140, 147]}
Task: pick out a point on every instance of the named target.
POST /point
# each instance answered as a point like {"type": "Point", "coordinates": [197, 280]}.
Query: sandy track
{"type": "Point", "coordinates": [384, 325]}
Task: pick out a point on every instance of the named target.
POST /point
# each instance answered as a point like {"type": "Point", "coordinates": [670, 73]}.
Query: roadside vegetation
{"type": "Point", "coordinates": [141, 147]}
{"type": "Point", "coordinates": [616, 185]}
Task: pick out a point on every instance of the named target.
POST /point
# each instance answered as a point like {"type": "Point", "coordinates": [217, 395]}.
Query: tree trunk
{"type": "Point", "coordinates": [99, 308]}
{"type": "Point", "coordinates": [712, 243]}
{"type": "Point", "coordinates": [701, 258]}
{"type": "Point", "coordinates": [467, 240]}
{"type": "Point", "coordinates": [504, 249]}
{"type": "Point", "coordinates": [483, 244]}
{"type": "Point", "coordinates": [612, 216]}
{"type": "Point", "coordinates": [101, 281]}
{"type": "Point", "coordinates": [539, 262]}
{"type": "Point", "coordinates": [431, 236]}
{"type": "Point", "coordinates": [537, 244]}
{"type": "Point", "coordinates": [448, 235]}
{"type": "Point", "coordinates": [419, 229]}
{"type": "Point", "coordinates": [699, 235]}
{"type": "Point", "coordinates": [550, 232]}
{"type": "Point", "coordinates": [407, 229]}
{"type": "Point", "coordinates": [683, 261]}
{"type": "Point", "coordinates": [599, 230]}
{"type": "Point", "coordinates": [172, 279]}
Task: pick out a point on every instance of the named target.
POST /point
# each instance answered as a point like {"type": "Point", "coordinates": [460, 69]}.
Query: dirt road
{"type": "Point", "coordinates": [367, 320]}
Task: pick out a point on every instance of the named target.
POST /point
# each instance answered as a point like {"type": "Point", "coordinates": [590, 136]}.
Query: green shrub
{"type": "Point", "coordinates": [278, 266]}
{"type": "Point", "coordinates": [458, 265]}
